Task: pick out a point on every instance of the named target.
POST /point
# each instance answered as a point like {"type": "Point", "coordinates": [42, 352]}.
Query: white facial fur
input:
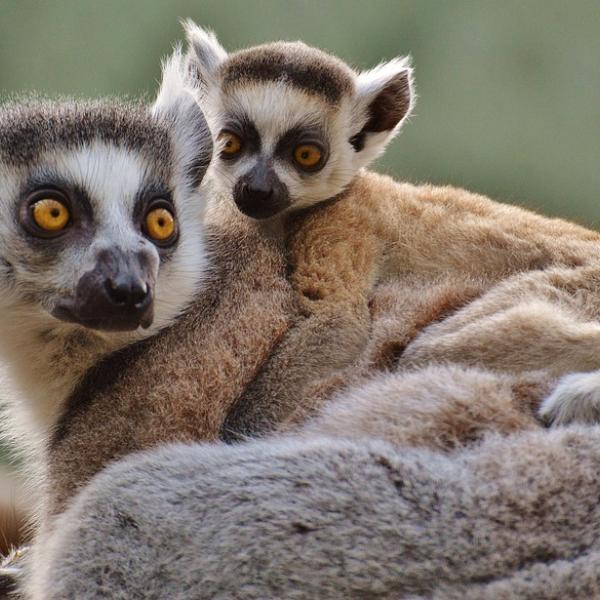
{"type": "Point", "coordinates": [275, 107]}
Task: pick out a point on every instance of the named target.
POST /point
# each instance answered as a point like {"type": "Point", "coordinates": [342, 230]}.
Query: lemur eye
{"type": "Point", "coordinates": [231, 144]}
{"type": "Point", "coordinates": [159, 225]}
{"type": "Point", "coordinates": [50, 215]}
{"type": "Point", "coordinates": [308, 156]}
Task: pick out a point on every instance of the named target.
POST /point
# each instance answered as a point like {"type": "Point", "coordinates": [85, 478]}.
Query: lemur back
{"type": "Point", "coordinates": [294, 129]}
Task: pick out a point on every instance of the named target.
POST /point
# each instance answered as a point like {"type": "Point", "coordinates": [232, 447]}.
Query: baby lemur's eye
{"type": "Point", "coordinates": [308, 156]}
{"type": "Point", "coordinates": [46, 213]}
{"type": "Point", "coordinates": [159, 225]}
{"type": "Point", "coordinates": [231, 144]}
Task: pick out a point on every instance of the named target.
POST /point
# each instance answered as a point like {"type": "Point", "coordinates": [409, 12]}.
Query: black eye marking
{"type": "Point", "coordinates": [303, 136]}
{"type": "Point", "coordinates": [156, 197]}
{"type": "Point", "coordinates": [53, 211]}
{"type": "Point", "coordinates": [242, 127]}
{"type": "Point", "coordinates": [358, 141]}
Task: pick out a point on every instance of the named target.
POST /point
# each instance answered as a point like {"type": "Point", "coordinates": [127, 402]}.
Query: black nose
{"type": "Point", "coordinates": [127, 292]}
{"type": "Point", "coordinates": [255, 193]}
{"type": "Point", "coordinates": [260, 194]}
{"type": "Point", "coordinates": [117, 294]}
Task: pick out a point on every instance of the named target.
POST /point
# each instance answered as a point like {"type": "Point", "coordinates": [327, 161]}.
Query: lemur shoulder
{"type": "Point", "coordinates": [294, 129]}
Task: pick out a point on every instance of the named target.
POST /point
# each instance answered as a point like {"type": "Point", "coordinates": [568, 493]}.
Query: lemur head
{"type": "Point", "coordinates": [101, 218]}
{"type": "Point", "coordinates": [292, 124]}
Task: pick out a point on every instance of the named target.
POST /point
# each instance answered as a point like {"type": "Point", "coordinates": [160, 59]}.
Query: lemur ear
{"type": "Point", "coordinates": [385, 97]}
{"type": "Point", "coordinates": [204, 56]}
{"type": "Point", "coordinates": [177, 105]}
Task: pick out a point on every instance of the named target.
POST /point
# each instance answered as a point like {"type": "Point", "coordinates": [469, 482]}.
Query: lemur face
{"type": "Point", "coordinates": [102, 222]}
{"type": "Point", "coordinates": [292, 125]}
{"type": "Point", "coordinates": [279, 148]}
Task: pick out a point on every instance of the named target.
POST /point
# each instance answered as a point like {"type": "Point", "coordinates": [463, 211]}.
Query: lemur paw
{"type": "Point", "coordinates": [576, 399]}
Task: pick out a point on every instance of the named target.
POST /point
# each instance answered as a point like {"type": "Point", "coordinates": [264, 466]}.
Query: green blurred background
{"type": "Point", "coordinates": [509, 92]}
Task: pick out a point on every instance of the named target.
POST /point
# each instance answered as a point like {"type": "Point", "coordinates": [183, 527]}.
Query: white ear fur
{"type": "Point", "coordinates": [176, 104]}
{"type": "Point", "coordinates": [385, 98]}
{"type": "Point", "coordinates": [205, 54]}
{"type": "Point", "coordinates": [173, 89]}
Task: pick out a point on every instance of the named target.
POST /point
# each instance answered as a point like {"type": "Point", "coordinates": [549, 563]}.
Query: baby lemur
{"type": "Point", "coordinates": [294, 128]}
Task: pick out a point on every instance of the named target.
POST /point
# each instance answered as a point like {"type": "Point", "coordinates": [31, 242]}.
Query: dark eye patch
{"type": "Point", "coordinates": [76, 199]}
{"type": "Point", "coordinates": [155, 194]}
{"type": "Point", "coordinates": [245, 129]}
{"type": "Point", "coordinates": [302, 134]}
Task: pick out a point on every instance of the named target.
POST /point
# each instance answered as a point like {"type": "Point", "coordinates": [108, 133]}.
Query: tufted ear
{"type": "Point", "coordinates": [176, 104]}
{"type": "Point", "coordinates": [204, 56]}
{"type": "Point", "coordinates": [385, 97]}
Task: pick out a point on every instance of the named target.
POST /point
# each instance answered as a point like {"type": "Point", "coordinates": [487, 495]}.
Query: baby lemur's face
{"type": "Point", "coordinates": [292, 125]}
{"type": "Point", "coordinates": [101, 223]}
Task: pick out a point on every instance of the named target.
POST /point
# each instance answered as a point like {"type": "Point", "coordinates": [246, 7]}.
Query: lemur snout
{"type": "Point", "coordinates": [126, 290]}
{"type": "Point", "coordinates": [116, 295]}
{"type": "Point", "coordinates": [260, 194]}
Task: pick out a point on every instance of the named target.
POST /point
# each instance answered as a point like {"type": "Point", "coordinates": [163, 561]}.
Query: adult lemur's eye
{"type": "Point", "coordinates": [50, 215]}
{"type": "Point", "coordinates": [231, 144]}
{"type": "Point", "coordinates": [308, 156]}
{"type": "Point", "coordinates": [159, 225]}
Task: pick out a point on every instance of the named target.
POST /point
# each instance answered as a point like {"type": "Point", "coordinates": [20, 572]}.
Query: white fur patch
{"type": "Point", "coordinates": [576, 399]}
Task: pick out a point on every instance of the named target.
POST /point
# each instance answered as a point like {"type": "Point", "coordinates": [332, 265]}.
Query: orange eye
{"type": "Point", "coordinates": [50, 215]}
{"type": "Point", "coordinates": [160, 224]}
{"type": "Point", "coordinates": [308, 155]}
{"type": "Point", "coordinates": [231, 144]}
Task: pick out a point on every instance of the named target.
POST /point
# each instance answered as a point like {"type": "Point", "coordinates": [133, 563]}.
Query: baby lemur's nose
{"type": "Point", "coordinates": [127, 291]}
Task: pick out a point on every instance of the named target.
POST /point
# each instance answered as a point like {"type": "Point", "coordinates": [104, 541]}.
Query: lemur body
{"type": "Point", "coordinates": [294, 129]}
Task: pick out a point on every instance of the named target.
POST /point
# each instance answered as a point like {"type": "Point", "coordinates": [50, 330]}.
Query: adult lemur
{"type": "Point", "coordinates": [102, 252]}
{"type": "Point", "coordinates": [293, 128]}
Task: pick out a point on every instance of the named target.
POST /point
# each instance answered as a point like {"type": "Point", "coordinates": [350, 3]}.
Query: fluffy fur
{"type": "Point", "coordinates": [451, 256]}
{"type": "Point", "coordinates": [364, 230]}
{"type": "Point", "coordinates": [576, 398]}
{"type": "Point", "coordinates": [179, 384]}
{"type": "Point", "coordinates": [512, 518]}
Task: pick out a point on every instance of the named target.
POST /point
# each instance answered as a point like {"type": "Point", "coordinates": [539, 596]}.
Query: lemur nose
{"type": "Point", "coordinates": [126, 291]}
{"type": "Point", "coordinates": [258, 193]}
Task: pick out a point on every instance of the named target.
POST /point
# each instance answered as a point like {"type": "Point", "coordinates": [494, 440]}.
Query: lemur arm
{"type": "Point", "coordinates": [332, 277]}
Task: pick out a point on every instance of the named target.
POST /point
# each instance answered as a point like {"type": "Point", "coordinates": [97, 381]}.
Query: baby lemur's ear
{"type": "Point", "coordinates": [177, 105]}
{"type": "Point", "coordinates": [204, 56]}
{"type": "Point", "coordinates": [385, 97]}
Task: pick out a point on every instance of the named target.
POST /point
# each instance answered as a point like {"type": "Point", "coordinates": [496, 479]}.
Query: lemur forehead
{"type": "Point", "coordinates": [306, 68]}
{"type": "Point", "coordinates": [30, 129]}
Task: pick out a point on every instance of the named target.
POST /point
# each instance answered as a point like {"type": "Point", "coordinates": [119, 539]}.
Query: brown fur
{"type": "Point", "coordinates": [13, 530]}
{"type": "Point", "coordinates": [437, 407]}
{"type": "Point", "coordinates": [373, 269]}
{"type": "Point", "coordinates": [440, 248]}
{"type": "Point", "coordinates": [178, 385]}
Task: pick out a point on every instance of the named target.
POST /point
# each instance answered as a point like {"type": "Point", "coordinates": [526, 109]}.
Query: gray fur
{"type": "Point", "coordinates": [30, 128]}
{"type": "Point", "coordinates": [308, 69]}
{"type": "Point", "coordinates": [295, 518]}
